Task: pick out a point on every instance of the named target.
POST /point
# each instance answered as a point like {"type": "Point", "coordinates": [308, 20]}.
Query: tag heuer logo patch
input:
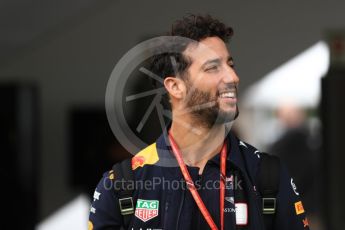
{"type": "Point", "coordinates": [146, 209]}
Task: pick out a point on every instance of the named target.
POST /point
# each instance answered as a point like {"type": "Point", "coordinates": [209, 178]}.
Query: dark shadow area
{"type": "Point", "coordinates": [19, 155]}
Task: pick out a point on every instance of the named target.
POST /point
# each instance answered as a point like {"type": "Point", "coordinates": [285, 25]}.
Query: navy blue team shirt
{"type": "Point", "coordinates": [162, 200]}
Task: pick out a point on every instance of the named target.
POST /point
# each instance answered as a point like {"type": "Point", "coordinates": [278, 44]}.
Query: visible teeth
{"type": "Point", "coordinates": [227, 95]}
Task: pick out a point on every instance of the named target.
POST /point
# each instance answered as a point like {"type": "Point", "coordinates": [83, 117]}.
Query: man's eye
{"type": "Point", "coordinates": [211, 68]}
{"type": "Point", "coordinates": [231, 64]}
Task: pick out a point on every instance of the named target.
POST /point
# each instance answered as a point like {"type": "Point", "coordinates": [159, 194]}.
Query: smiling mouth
{"type": "Point", "coordinates": [230, 94]}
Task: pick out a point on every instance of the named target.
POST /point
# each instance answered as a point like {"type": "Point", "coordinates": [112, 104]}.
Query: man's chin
{"type": "Point", "coordinates": [226, 116]}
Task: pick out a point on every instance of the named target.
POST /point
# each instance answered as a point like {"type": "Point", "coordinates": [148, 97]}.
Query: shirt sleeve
{"type": "Point", "coordinates": [104, 211]}
{"type": "Point", "coordinates": [290, 211]}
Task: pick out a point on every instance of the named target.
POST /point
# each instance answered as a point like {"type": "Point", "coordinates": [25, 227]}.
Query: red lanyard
{"type": "Point", "coordinates": [193, 190]}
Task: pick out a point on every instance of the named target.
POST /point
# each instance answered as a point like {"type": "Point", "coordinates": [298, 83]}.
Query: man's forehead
{"type": "Point", "coordinates": [207, 49]}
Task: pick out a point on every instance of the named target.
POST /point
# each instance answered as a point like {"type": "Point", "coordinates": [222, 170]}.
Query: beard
{"type": "Point", "coordinates": [205, 108]}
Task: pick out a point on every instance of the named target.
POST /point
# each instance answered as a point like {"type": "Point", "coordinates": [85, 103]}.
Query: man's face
{"type": "Point", "coordinates": [211, 82]}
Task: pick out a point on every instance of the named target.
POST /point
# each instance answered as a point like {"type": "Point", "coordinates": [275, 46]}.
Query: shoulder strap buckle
{"type": "Point", "coordinates": [268, 206]}
{"type": "Point", "coordinates": [126, 206]}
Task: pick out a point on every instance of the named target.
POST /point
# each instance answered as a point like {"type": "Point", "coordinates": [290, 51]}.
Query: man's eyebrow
{"type": "Point", "coordinates": [212, 61]}
{"type": "Point", "coordinates": [216, 61]}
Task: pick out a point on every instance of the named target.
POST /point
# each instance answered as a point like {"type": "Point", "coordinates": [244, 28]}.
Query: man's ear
{"type": "Point", "coordinates": [175, 87]}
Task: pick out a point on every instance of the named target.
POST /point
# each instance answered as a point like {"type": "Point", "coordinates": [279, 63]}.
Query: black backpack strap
{"type": "Point", "coordinates": [124, 173]}
{"type": "Point", "coordinates": [268, 185]}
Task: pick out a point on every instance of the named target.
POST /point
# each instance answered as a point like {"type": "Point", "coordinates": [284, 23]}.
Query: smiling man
{"type": "Point", "coordinates": [215, 181]}
{"type": "Point", "coordinates": [206, 97]}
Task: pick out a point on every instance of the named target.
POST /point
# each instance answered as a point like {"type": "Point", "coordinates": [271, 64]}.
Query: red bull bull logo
{"type": "Point", "coordinates": [147, 156]}
{"type": "Point", "coordinates": [138, 161]}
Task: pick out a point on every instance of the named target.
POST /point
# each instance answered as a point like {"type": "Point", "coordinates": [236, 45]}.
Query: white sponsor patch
{"type": "Point", "coordinates": [241, 213]}
{"type": "Point", "coordinates": [294, 188]}
{"type": "Point", "coordinates": [230, 199]}
{"type": "Point", "coordinates": [96, 195]}
{"type": "Point", "coordinates": [257, 153]}
{"type": "Point", "coordinates": [243, 144]}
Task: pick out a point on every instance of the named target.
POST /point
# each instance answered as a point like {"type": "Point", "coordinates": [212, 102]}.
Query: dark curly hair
{"type": "Point", "coordinates": [170, 60]}
{"type": "Point", "coordinates": [198, 27]}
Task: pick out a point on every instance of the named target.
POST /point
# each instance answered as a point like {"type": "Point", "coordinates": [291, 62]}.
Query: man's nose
{"type": "Point", "coordinates": [230, 76]}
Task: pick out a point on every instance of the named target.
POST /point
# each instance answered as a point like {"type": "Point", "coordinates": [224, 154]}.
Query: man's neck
{"type": "Point", "coordinates": [197, 144]}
